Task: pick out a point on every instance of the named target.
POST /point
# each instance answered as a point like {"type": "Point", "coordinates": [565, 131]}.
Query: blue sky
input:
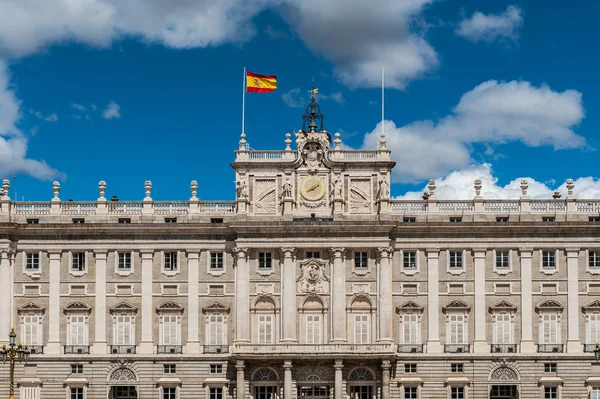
{"type": "Point", "coordinates": [127, 91]}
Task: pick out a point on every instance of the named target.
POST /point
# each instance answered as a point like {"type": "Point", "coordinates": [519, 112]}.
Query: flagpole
{"type": "Point", "coordinates": [244, 102]}
{"type": "Point", "coordinates": [382, 101]}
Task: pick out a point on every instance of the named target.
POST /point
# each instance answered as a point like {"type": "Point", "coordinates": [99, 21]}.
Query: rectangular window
{"type": "Point", "coordinates": [594, 259]}
{"type": "Point", "coordinates": [410, 329]}
{"type": "Point", "coordinates": [313, 329]}
{"type": "Point", "coordinates": [457, 393]}
{"type": "Point", "coordinates": [457, 367]}
{"type": "Point", "coordinates": [550, 328]}
{"type": "Point", "coordinates": [313, 254]}
{"type": "Point", "coordinates": [78, 261]}
{"type": "Point", "coordinates": [410, 367]}
{"type": "Point", "coordinates": [124, 220]}
{"type": "Point", "coordinates": [77, 333]}
{"type": "Point", "coordinates": [171, 261]}
{"type": "Point", "coordinates": [593, 328]}
{"type": "Point", "coordinates": [216, 393]}
{"type": "Point", "coordinates": [169, 393]}
{"type": "Point", "coordinates": [170, 220]}
{"type": "Point", "coordinates": [550, 393]}
{"type": "Point", "coordinates": [216, 369]}
{"type": "Point", "coordinates": [361, 329]}
{"type": "Point", "coordinates": [594, 219]}
{"type": "Point", "coordinates": [124, 261]}
{"type": "Point", "coordinates": [265, 260]}
{"type": "Point", "coordinates": [456, 259]}
{"type": "Point", "coordinates": [457, 329]}
{"type": "Point", "coordinates": [502, 259]}
{"type": "Point", "coordinates": [502, 329]}
{"type": "Point", "coordinates": [216, 330]}
{"type": "Point", "coordinates": [33, 221]}
{"type": "Point", "coordinates": [549, 367]}
{"type": "Point", "coordinates": [123, 330]}
{"type": "Point", "coordinates": [548, 219]}
{"type": "Point", "coordinates": [169, 368]}
{"type": "Point", "coordinates": [265, 329]}
{"type": "Point", "coordinates": [455, 219]}
{"type": "Point", "coordinates": [31, 330]}
{"type": "Point", "coordinates": [76, 393]}
{"type": "Point", "coordinates": [77, 369]}
{"type": "Point", "coordinates": [32, 262]}
{"type": "Point", "coordinates": [549, 260]}
{"type": "Point", "coordinates": [595, 393]}
{"type": "Point", "coordinates": [409, 260]}
{"type": "Point", "coordinates": [216, 261]}
{"type": "Point", "coordinates": [502, 219]}
{"type": "Point", "coordinates": [410, 392]}
{"type": "Point", "coordinates": [78, 220]}
{"type": "Point", "coordinates": [409, 219]}
{"type": "Point", "coordinates": [361, 260]}
{"type": "Point", "coordinates": [170, 329]}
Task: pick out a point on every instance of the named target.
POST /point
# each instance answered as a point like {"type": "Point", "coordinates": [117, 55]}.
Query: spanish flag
{"type": "Point", "coordinates": [256, 83]}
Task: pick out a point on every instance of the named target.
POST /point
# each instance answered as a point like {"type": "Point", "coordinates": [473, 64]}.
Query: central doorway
{"type": "Point", "coordinates": [315, 391]}
{"type": "Point", "coordinates": [265, 392]}
{"type": "Point", "coordinates": [123, 392]}
{"type": "Point", "coordinates": [504, 392]}
{"type": "Point", "coordinates": [361, 392]}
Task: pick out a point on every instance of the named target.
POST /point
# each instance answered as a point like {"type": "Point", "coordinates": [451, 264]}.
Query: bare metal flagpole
{"type": "Point", "coordinates": [382, 101]}
{"type": "Point", "coordinates": [244, 102]}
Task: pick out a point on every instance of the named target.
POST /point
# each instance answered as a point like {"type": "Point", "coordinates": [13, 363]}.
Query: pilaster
{"type": "Point", "coordinates": [53, 347]}
{"type": "Point", "coordinates": [6, 298]}
{"type": "Point", "coordinates": [433, 312]}
{"type": "Point", "coordinates": [242, 296]}
{"type": "Point", "coordinates": [527, 345]}
{"type": "Point", "coordinates": [338, 318]}
{"type": "Point", "coordinates": [288, 295]}
{"type": "Point", "coordinates": [147, 342]}
{"type": "Point", "coordinates": [287, 379]}
{"type": "Point", "coordinates": [240, 383]}
{"type": "Point", "coordinates": [100, 345]}
{"type": "Point", "coordinates": [480, 344]}
{"type": "Point", "coordinates": [338, 380]}
{"type": "Point", "coordinates": [385, 379]}
{"type": "Point", "coordinates": [385, 295]}
{"type": "Point", "coordinates": [573, 340]}
{"type": "Point", "coordinates": [193, 343]}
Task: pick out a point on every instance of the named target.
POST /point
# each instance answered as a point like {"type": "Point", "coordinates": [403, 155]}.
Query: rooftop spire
{"type": "Point", "coordinates": [313, 114]}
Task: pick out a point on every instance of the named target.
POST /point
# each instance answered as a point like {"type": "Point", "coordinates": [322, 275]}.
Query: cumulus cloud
{"type": "Point", "coordinates": [492, 113]}
{"type": "Point", "coordinates": [459, 185]}
{"type": "Point", "coordinates": [488, 28]}
{"type": "Point", "coordinates": [13, 142]}
{"type": "Point", "coordinates": [112, 111]}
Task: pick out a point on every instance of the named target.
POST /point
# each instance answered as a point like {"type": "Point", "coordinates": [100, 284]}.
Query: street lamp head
{"type": "Point", "coordinates": [597, 352]}
{"type": "Point", "coordinates": [4, 353]}
{"type": "Point", "coordinates": [12, 336]}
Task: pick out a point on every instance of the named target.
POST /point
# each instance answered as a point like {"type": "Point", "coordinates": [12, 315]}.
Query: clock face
{"type": "Point", "coordinates": [312, 188]}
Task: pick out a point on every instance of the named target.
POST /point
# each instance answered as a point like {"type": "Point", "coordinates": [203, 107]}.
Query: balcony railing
{"type": "Point", "coordinates": [77, 349]}
{"type": "Point", "coordinates": [589, 348]}
{"type": "Point", "coordinates": [216, 348]}
{"type": "Point", "coordinates": [410, 348]}
{"type": "Point", "coordinates": [504, 348]}
{"type": "Point", "coordinates": [309, 349]}
{"type": "Point", "coordinates": [122, 349]}
{"type": "Point", "coordinates": [550, 348]}
{"type": "Point", "coordinates": [36, 349]}
{"type": "Point", "coordinates": [457, 348]}
{"type": "Point", "coordinates": [168, 349]}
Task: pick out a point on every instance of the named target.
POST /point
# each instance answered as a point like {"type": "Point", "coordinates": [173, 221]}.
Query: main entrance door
{"type": "Point", "coordinates": [504, 392]}
{"type": "Point", "coordinates": [123, 392]}
{"type": "Point", "coordinates": [265, 392]}
{"type": "Point", "coordinates": [361, 392]}
{"type": "Point", "coordinates": [315, 391]}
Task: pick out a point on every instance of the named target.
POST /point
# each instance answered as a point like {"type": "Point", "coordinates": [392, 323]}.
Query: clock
{"type": "Point", "coordinates": [312, 188]}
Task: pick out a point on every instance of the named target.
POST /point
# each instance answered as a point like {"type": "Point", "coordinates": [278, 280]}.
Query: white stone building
{"type": "Point", "coordinates": [312, 284]}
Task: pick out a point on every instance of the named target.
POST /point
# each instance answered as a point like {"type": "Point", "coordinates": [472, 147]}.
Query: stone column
{"type": "Point", "coordinates": [385, 379]}
{"type": "Point", "coordinates": [527, 345]}
{"type": "Point", "coordinates": [288, 296]}
{"type": "Point", "coordinates": [193, 343]}
{"type": "Point", "coordinates": [573, 341]}
{"type": "Point", "coordinates": [287, 379]}
{"type": "Point", "coordinates": [240, 384]}
{"type": "Point", "coordinates": [6, 299]}
{"type": "Point", "coordinates": [433, 301]}
{"type": "Point", "coordinates": [338, 390]}
{"type": "Point", "coordinates": [53, 347]}
{"type": "Point", "coordinates": [480, 344]}
{"type": "Point", "coordinates": [100, 344]}
{"type": "Point", "coordinates": [385, 295]}
{"type": "Point", "coordinates": [147, 342]}
{"type": "Point", "coordinates": [338, 314]}
{"type": "Point", "coordinates": [242, 296]}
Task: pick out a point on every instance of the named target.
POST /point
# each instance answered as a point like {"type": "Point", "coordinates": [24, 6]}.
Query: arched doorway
{"type": "Point", "coordinates": [265, 384]}
{"type": "Point", "coordinates": [504, 383]}
{"type": "Point", "coordinates": [314, 382]}
{"type": "Point", "coordinates": [361, 383]}
{"type": "Point", "coordinates": [122, 384]}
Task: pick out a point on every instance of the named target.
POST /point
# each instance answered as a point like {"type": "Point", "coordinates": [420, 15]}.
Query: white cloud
{"type": "Point", "coordinates": [293, 98]}
{"type": "Point", "coordinates": [13, 143]}
{"type": "Point", "coordinates": [492, 113]}
{"type": "Point", "coordinates": [488, 28]}
{"type": "Point", "coordinates": [296, 99]}
{"type": "Point", "coordinates": [39, 115]}
{"type": "Point", "coordinates": [337, 97]}
{"type": "Point", "coordinates": [112, 111]}
{"type": "Point", "coordinates": [51, 118]}
{"type": "Point", "coordinates": [78, 107]}
{"type": "Point", "coordinates": [459, 185]}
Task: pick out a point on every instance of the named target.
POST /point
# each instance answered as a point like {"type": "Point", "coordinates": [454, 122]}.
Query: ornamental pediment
{"type": "Point", "coordinates": [456, 306]}
{"type": "Point", "coordinates": [216, 307]}
{"type": "Point", "coordinates": [312, 279]}
{"type": "Point", "coordinates": [591, 307]}
{"type": "Point", "coordinates": [78, 307]}
{"type": "Point", "coordinates": [123, 307]}
{"type": "Point", "coordinates": [503, 306]}
{"type": "Point", "coordinates": [549, 305]}
{"type": "Point", "coordinates": [31, 307]}
{"type": "Point", "coordinates": [169, 307]}
{"type": "Point", "coordinates": [409, 306]}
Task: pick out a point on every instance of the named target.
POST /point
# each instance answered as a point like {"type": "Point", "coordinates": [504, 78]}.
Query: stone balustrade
{"type": "Point", "coordinates": [266, 350]}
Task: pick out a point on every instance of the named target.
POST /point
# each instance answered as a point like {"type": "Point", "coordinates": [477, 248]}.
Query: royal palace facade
{"type": "Point", "coordinates": [312, 284]}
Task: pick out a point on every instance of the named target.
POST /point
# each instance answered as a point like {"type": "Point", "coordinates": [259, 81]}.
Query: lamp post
{"type": "Point", "coordinates": [597, 353]}
{"type": "Point", "coordinates": [12, 353]}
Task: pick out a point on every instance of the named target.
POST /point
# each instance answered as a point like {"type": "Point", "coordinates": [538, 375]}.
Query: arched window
{"type": "Point", "coordinates": [313, 317]}
{"type": "Point", "coordinates": [265, 312]}
{"type": "Point", "coordinates": [361, 309]}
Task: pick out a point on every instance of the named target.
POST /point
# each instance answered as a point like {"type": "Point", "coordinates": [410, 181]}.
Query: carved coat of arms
{"type": "Point", "coordinates": [312, 279]}
{"type": "Point", "coordinates": [313, 155]}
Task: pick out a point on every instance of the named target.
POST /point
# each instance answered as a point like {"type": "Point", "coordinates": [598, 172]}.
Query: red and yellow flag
{"type": "Point", "coordinates": [256, 83]}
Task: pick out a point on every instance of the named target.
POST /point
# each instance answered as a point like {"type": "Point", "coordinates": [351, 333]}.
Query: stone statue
{"type": "Point", "coordinates": [337, 188]}
{"type": "Point", "coordinates": [242, 190]}
{"type": "Point", "coordinates": [384, 189]}
{"type": "Point", "coordinates": [286, 189]}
